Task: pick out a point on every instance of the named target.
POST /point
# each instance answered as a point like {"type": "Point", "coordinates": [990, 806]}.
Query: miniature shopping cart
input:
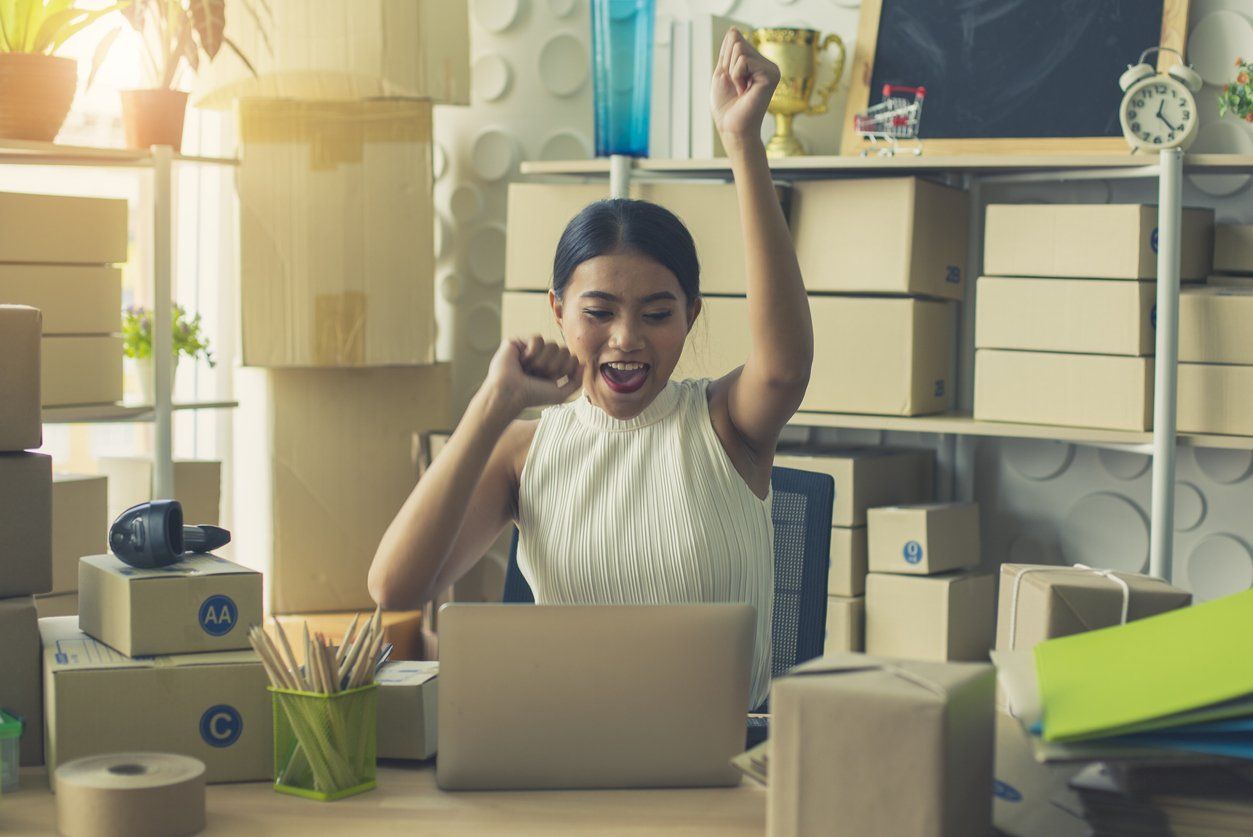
{"type": "Point", "coordinates": [895, 118]}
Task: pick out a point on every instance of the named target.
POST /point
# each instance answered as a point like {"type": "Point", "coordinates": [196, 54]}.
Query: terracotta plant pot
{"type": "Point", "coordinates": [153, 117]}
{"type": "Point", "coordinates": [36, 92]}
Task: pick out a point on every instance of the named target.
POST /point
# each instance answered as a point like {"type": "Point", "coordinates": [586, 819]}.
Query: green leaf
{"type": "Point", "coordinates": [52, 27]}
{"type": "Point", "coordinates": [102, 51]}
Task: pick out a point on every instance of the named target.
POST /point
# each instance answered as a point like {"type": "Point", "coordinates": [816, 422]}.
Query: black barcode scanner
{"type": "Point", "coordinates": [153, 535]}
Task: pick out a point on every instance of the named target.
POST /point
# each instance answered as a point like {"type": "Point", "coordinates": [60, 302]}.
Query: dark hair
{"type": "Point", "coordinates": [620, 224]}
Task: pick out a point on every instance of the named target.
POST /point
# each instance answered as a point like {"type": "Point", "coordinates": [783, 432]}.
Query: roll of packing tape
{"type": "Point", "coordinates": [130, 795]}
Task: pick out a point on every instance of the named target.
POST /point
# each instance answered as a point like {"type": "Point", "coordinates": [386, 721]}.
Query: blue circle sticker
{"type": "Point", "coordinates": [1153, 240]}
{"type": "Point", "coordinates": [218, 615]}
{"type": "Point", "coordinates": [1007, 792]}
{"type": "Point", "coordinates": [912, 552]}
{"type": "Point", "coordinates": [221, 725]}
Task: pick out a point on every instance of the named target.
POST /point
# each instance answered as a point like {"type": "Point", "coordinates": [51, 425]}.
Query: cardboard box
{"type": "Point", "coordinates": [849, 732]}
{"type": "Point", "coordinates": [930, 617]}
{"type": "Point", "coordinates": [871, 354]}
{"type": "Point", "coordinates": [213, 707]}
{"type": "Point", "coordinates": [1220, 281]}
{"type": "Point", "coordinates": [337, 233]}
{"type": "Point", "coordinates": [866, 477]}
{"type": "Point", "coordinates": [324, 460]}
{"type": "Point", "coordinates": [324, 49]}
{"type": "Point", "coordinates": [400, 628]}
{"type": "Point", "coordinates": [57, 604]}
{"type": "Point", "coordinates": [197, 486]}
{"type": "Point", "coordinates": [407, 710]}
{"type": "Point", "coordinates": [20, 417]}
{"type": "Point", "coordinates": [1214, 398]}
{"type": "Point", "coordinates": [1098, 241]}
{"type": "Point", "coordinates": [924, 539]}
{"type": "Point", "coordinates": [21, 691]}
{"type": "Point", "coordinates": [538, 214]}
{"type": "Point", "coordinates": [81, 370]}
{"type": "Point", "coordinates": [1072, 390]}
{"type": "Point", "coordinates": [80, 525]}
{"type": "Point", "coordinates": [202, 603]}
{"type": "Point", "coordinates": [25, 524]}
{"type": "Point", "coordinates": [1214, 325]}
{"type": "Point", "coordinates": [1082, 316]}
{"type": "Point", "coordinates": [62, 230]}
{"type": "Point", "coordinates": [846, 624]}
{"type": "Point", "coordinates": [1039, 602]}
{"type": "Point", "coordinates": [881, 235]}
{"type": "Point", "coordinates": [846, 571]}
{"type": "Point", "coordinates": [1031, 799]}
{"type": "Point", "coordinates": [1233, 248]}
{"type": "Point", "coordinates": [74, 299]}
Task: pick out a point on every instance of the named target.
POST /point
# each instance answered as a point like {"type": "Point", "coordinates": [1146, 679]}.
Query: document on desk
{"type": "Point", "coordinates": [755, 763]}
{"type": "Point", "coordinates": [1180, 668]}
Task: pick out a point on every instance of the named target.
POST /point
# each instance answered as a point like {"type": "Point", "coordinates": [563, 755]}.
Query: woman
{"type": "Point", "coordinates": [643, 490]}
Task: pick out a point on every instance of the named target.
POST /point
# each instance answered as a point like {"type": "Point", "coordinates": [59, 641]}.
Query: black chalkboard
{"type": "Point", "coordinates": [1013, 68]}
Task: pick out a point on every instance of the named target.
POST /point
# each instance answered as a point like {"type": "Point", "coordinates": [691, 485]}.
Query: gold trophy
{"type": "Point", "coordinates": [795, 51]}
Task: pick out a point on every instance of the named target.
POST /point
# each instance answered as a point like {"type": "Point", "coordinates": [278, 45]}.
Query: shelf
{"type": "Point", "coordinates": [106, 413]}
{"type": "Point", "coordinates": [961, 424]}
{"type": "Point", "coordinates": [52, 154]}
{"type": "Point", "coordinates": [907, 163]}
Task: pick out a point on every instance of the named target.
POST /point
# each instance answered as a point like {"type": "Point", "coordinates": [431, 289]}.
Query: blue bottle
{"type": "Point", "coordinates": [622, 61]}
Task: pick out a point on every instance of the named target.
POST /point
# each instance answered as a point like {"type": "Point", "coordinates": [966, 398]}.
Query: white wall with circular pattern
{"type": "Point", "coordinates": [1042, 501]}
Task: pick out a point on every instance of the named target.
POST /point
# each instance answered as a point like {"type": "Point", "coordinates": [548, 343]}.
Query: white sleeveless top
{"type": "Point", "coordinates": [649, 510]}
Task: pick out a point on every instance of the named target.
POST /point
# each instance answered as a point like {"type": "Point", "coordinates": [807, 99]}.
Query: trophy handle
{"type": "Point", "coordinates": [824, 92]}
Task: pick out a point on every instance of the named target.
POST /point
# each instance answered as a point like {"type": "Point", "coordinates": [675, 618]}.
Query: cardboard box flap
{"type": "Point", "coordinates": [407, 673]}
{"type": "Point", "coordinates": [190, 565]}
{"type": "Point", "coordinates": [66, 648]}
{"type": "Point", "coordinates": [937, 678]}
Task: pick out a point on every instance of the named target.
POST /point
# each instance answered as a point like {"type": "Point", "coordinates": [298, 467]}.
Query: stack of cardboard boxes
{"type": "Point", "coordinates": [879, 258]}
{"type": "Point", "coordinates": [58, 254]}
{"type": "Point", "coordinates": [864, 477]}
{"type": "Point", "coordinates": [337, 281]}
{"type": "Point", "coordinates": [923, 602]}
{"type": "Point", "coordinates": [25, 523]}
{"type": "Point", "coordinates": [80, 525]}
{"type": "Point", "coordinates": [1065, 317]}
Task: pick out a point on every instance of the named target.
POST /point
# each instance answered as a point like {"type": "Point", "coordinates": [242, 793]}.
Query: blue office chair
{"type": "Point", "coordinates": [801, 512]}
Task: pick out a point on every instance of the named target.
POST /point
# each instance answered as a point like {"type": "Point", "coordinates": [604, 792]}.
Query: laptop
{"type": "Point", "coordinates": [592, 696]}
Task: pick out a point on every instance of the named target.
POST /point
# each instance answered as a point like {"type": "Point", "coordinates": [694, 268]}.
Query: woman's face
{"type": "Point", "coordinates": [625, 317]}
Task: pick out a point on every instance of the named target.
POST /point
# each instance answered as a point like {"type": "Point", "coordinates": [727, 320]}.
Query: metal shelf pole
{"type": "Point", "coordinates": [162, 324]}
{"type": "Point", "coordinates": [619, 176]}
{"type": "Point", "coordinates": [1169, 221]}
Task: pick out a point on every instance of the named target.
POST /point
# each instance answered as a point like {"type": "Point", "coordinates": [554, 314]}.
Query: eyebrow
{"type": "Point", "coordinates": [608, 297]}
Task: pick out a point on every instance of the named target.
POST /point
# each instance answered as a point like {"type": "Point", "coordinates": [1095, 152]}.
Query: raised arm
{"type": "Point", "coordinates": [766, 391]}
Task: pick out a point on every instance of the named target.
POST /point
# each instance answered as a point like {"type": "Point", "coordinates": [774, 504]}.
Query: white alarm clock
{"type": "Point", "coordinates": [1157, 109]}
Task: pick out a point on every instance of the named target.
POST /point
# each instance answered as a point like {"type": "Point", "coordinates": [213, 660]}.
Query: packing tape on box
{"type": "Point", "coordinates": [131, 794]}
{"type": "Point", "coordinates": [336, 132]}
{"type": "Point", "coordinates": [1109, 574]}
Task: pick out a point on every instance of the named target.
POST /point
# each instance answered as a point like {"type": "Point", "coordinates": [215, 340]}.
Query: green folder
{"type": "Point", "coordinates": [1182, 667]}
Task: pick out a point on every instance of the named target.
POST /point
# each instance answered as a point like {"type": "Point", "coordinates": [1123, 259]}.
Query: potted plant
{"type": "Point", "coordinates": [1237, 97]}
{"type": "Point", "coordinates": [175, 35]}
{"type": "Point", "coordinates": [36, 85]}
{"type": "Point", "coordinates": [188, 335]}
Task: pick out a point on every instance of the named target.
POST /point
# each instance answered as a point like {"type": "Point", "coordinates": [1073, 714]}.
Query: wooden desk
{"type": "Point", "coordinates": [408, 802]}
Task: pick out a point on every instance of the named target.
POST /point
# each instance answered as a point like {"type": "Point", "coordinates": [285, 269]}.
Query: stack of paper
{"type": "Point", "coordinates": [1166, 801]}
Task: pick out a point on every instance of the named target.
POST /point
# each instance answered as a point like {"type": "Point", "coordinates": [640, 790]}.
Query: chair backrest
{"type": "Point", "coordinates": [801, 511]}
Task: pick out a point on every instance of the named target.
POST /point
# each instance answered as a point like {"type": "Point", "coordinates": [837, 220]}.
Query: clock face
{"type": "Point", "coordinates": [1158, 112]}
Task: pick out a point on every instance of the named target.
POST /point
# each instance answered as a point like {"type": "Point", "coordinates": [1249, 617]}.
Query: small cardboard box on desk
{"type": "Point", "coordinates": [407, 701]}
{"type": "Point", "coordinates": [942, 617]}
{"type": "Point", "coordinates": [212, 706]}
{"type": "Point", "coordinates": [869, 745]}
{"type": "Point", "coordinates": [201, 603]}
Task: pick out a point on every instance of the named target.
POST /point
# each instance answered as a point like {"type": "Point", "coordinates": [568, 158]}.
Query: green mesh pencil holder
{"type": "Point", "coordinates": [324, 745]}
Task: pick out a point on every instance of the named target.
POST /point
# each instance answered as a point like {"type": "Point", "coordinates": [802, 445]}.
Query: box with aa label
{"type": "Point", "coordinates": [214, 707]}
{"type": "Point", "coordinates": [21, 691]}
{"type": "Point", "coordinates": [1215, 398]}
{"type": "Point", "coordinates": [25, 524]}
{"type": "Point", "coordinates": [846, 570]}
{"type": "Point", "coordinates": [1086, 316]}
{"type": "Point", "coordinates": [846, 624]}
{"type": "Point", "coordinates": [1098, 241]}
{"type": "Point", "coordinates": [1104, 391]}
{"type": "Point", "coordinates": [20, 418]}
{"type": "Point", "coordinates": [866, 477]}
{"type": "Point", "coordinates": [74, 299]}
{"type": "Point", "coordinates": [923, 539]}
{"type": "Point", "coordinates": [930, 617]}
{"type": "Point", "coordinates": [201, 603]}
{"type": "Point", "coordinates": [81, 370]}
{"type": "Point", "coordinates": [407, 705]}
{"type": "Point", "coordinates": [58, 229]}
{"type": "Point", "coordinates": [80, 525]}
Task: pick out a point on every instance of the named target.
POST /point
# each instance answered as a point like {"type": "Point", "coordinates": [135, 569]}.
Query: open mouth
{"type": "Point", "coordinates": [624, 376]}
